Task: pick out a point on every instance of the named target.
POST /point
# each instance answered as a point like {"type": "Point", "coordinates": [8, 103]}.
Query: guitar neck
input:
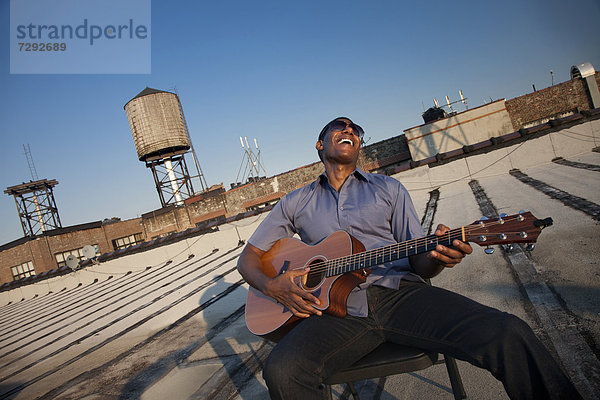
{"type": "Point", "coordinates": [392, 252]}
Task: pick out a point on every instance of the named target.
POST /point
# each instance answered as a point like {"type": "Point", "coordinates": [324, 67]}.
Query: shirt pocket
{"type": "Point", "coordinates": [374, 219]}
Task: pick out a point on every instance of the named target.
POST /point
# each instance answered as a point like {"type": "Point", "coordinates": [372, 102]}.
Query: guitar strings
{"type": "Point", "coordinates": [403, 247]}
{"type": "Point", "coordinates": [370, 256]}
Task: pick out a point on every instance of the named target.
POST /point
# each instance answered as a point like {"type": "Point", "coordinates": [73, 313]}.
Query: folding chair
{"type": "Point", "coordinates": [391, 359]}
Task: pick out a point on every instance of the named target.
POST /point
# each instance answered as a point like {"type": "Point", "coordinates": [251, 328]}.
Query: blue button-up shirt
{"type": "Point", "coordinates": [375, 209]}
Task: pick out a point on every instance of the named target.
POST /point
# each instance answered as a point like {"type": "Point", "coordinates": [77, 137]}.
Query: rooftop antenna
{"type": "Point", "coordinates": [32, 170]}
{"type": "Point", "coordinates": [463, 99]}
{"type": "Point", "coordinates": [252, 164]}
{"type": "Point", "coordinates": [552, 77]}
{"type": "Point", "coordinates": [449, 103]}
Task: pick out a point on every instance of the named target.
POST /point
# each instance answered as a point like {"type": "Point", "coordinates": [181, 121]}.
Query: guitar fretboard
{"type": "Point", "coordinates": [393, 252]}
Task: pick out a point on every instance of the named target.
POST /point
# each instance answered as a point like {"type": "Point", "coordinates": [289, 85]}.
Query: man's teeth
{"type": "Point", "coordinates": [346, 141]}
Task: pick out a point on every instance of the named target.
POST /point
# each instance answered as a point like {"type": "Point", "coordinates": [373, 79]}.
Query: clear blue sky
{"type": "Point", "coordinates": [276, 71]}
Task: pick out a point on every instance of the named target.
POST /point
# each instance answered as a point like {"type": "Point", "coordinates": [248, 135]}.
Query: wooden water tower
{"type": "Point", "coordinates": [162, 141]}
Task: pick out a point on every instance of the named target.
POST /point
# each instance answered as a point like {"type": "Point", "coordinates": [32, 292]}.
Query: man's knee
{"type": "Point", "coordinates": [514, 328]}
{"type": "Point", "coordinates": [508, 333]}
{"type": "Point", "coordinates": [281, 367]}
{"type": "Point", "coordinates": [275, 370]}
{"type": "Point", "coordinates": [284, 370]}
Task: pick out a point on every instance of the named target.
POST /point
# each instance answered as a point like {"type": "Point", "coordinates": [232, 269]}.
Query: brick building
{"type": "Point", "coordinates": [37, 255]}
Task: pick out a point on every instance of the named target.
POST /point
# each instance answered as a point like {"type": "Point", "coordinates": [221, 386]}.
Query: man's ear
{"type": "Point", "coordinates": [319, 145]}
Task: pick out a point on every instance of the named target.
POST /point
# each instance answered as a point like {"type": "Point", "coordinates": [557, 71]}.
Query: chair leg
{"type": "Point", "coordinates": [329, 396]}
{"type": "Point", "coordinates": [350, 386]}
{"type": "Point", "coordinates": [455, 381]}
{"type": "Point", "coordinates": [353, 391]}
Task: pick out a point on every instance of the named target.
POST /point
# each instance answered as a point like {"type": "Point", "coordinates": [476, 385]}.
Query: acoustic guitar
{"type": "Point", "coordinates": [340, 262]}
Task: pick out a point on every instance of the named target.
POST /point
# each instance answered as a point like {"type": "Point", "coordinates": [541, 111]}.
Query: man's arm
{"type": "Point", "coordinates": [430, 264]}
{"type": "Point", "coordinates": [281, 288]}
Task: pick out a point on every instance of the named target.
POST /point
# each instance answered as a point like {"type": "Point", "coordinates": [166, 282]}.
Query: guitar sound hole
{"type": "Point", "coordinates": [315, 275]}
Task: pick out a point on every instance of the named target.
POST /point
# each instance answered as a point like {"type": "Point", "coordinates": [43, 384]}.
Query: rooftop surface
{"type": "Point", "coordinates": [169, 322]}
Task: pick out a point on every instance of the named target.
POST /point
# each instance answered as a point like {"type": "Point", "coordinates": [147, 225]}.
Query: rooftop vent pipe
{"type": "Point", "coordinates": [586, 72]}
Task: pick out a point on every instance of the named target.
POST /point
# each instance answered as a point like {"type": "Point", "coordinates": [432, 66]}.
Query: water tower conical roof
{"type": "Point", "coordinates": [147, 91]}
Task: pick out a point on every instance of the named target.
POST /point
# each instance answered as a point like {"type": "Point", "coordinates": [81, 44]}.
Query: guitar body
{"type": "Point", "coordinates": [265, 317]}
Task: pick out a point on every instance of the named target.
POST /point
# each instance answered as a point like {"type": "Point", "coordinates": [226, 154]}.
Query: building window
{"type": "Point", "coordinates": [127, 241]}
{"type": "Point", "coordinates": [61, 258]}
{"type": "Point", "coordinates": [22, 271]}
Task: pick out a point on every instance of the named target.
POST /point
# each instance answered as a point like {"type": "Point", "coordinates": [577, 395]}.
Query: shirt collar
{"type": "Point", "coordinates": [358, 173]}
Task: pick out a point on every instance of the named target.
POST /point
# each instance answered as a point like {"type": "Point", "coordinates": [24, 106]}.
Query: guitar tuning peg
{"type": "Point", "coordinates": [522, 212]}
{"type": "Point", "coordinates": [530, 247]}
{"type": "Point", "coordinates": [509, 248]}
{"type": "Point", "coordinates": [489, 250]}
{"type": "Point", "coordinates": [502, 216]}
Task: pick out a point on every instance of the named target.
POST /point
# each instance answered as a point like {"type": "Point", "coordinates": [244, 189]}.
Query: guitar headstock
{"type": "Point", "coordinates": [517, 228]}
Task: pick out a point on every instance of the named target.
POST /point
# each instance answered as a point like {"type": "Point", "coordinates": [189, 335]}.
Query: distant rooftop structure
{"type": "Point", "coordinates": [585, 71]}
{"type": "Point", "coordinates": [157, 124]}
{"type": "Point", "coordinates": [162, 139]}
{"type": "Point", "coordinates": [36, 206]}
{"type": "Point", "coordinates": [252, 168]}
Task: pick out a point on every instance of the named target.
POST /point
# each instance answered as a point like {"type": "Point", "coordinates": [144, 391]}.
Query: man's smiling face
{"type": "Point", "coordinates": [340, 144]}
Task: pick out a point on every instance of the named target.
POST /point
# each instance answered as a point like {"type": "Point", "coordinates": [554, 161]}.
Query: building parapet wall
{"type": "Point", "coordinates": [463, 129]}
{"type": "Point", "coordinates": [554, 101]}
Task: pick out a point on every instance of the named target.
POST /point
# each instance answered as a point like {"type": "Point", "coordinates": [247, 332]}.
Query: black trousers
{"type": "Point", "coordinates": [421, 316]}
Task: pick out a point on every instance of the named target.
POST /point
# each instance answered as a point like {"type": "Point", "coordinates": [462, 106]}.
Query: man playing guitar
{"type": "Point", "coordinates": [390, 302]}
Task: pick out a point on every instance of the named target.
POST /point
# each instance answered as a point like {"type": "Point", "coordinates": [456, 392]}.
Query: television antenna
{"type": "Point", "coordinates": [449, 103]}
{"type": "Point", "coordinates": [251, 167]}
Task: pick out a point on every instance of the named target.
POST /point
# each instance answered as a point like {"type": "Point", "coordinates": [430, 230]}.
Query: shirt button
{"type": "Point", "coordinates": [342, 208]}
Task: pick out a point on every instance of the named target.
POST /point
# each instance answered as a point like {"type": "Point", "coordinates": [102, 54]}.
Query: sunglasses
{"type": "Point", "coordinates": [340, 125]}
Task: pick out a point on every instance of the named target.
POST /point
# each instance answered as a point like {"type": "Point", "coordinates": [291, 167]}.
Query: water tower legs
{"type": "Point", "coordinates": [172, 179]}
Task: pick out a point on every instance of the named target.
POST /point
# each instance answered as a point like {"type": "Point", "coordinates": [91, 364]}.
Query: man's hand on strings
{"type": "Point", "coordinates": [282, 288]}
{"type": "Point", "coordinates": [285, 291]}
